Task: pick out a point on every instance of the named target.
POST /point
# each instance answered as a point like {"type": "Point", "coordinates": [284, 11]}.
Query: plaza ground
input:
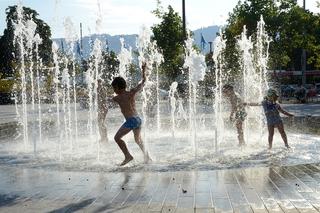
{"type": "Point", "coordinates": [274, 189]}
{"type": "Point", "coordinates": [293, 188]}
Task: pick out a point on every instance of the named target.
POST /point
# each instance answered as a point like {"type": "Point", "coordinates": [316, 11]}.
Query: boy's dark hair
{"type": "Point", "coordinates": [119, 82]}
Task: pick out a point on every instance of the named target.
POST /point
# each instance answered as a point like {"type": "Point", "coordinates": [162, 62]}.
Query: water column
{"type": "Point", "coordinates": [219, 48]}
{"type": "Point", "coordinates": [90, 82]}
{"type": "Point", "coordinates": [25, 38]}
{"type": "Point", "coordinates": [33, 41]}
{"type": "Point", "coordinates": [173, 100]}
{"type": "Point", "coordinates": [89, 85]}
{"type": "Point", "coordinates": [68, 100]}
{"type": "Point", "coordinates": [143, 44]}
{"type": "Point", "coordinates": [30, 28]}
{"type": "Point", "coordinates": [97, 60]}
{"type": "Point", "coordinates": [261, 58]}
{"type": "Point", "coordinates": [19, 41]}
{"type": "Point", "coordinates": [253, 60]}
{"type": "Point", "coordinates": [125, 58]}
{"type": "Point", "coordinates": [39, 66]}
{"type": "Point", "coordinates": [74, 93]}
{"type": "Point", "coordinates": [195, 63]}
{"type": "Point", "coordinates": [249, 77]}
{"type": "Point", "coordinates": [65, 80]}
{"type": "Point", "coordinates": [157, 58]}
{"type": "Point", "coordinates": [97, 52]}
{"type": "Point", "coordinates": [57, 92]}
{"type": "Point", "coordinates": [92, 76]}
{"type": "Point", "coordinates": [71, 38]}
{"type": "Point", "coordinates": [67, 87]}
{"type": "Point", "coordinates": [262, 49]}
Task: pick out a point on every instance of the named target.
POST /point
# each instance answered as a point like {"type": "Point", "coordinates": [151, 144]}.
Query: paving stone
{"type": "Point", "coordinates": [274, 189]}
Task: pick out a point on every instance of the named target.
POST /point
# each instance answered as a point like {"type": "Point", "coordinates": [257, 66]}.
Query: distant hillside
{"type": "Point", "coordinates": [113, 42]}
{"type": "Point", "coordinates": [209, 34]}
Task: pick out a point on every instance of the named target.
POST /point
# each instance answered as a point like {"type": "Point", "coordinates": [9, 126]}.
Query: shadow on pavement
{"type": "Point", "coordinates": [73, 207]}
{"type": "Point", "coordinates": [6, 200]}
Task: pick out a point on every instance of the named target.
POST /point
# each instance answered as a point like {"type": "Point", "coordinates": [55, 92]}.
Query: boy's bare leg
{"type": "Point", "coordinates": [283, 135]}
{"type": "Point", "coordinates": [118, 138]}
{"type": "Point", "coordinates": [240, 133]}
{"type": "Point", "coordinates": [271, 133]}
{"type": "Point", "coordinates": [138, 139]}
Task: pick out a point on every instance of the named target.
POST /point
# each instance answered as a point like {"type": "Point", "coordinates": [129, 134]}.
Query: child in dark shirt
{"type": "Point", "coordinates": [272, 111]}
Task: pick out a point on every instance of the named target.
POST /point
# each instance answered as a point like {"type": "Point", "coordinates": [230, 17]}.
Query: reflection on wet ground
{"type": "Point", "coordinates": [272, 189]}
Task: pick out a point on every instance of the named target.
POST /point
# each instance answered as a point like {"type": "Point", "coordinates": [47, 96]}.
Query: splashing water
{"type": "Point", "coordinates": [71, 39]}
{"type": "Point", "coordinates": [57, 91]}
{"type": "Point", "coordinates": [254, 68]}
{"type": "Point", "coordinates": [173, 100]}
{"type": "Point", "coordinates": [125, 58]}
{"type": "Point", "coordinates": [26, 38]}
{"type": "Point", "coordinates": [148, 53]}
{"type": "Point", "coordinates": [195, 63]}
{"type": "Point", "coordinates": [220, 80]}
{"type": "Point", "coordinates": [172, 146]}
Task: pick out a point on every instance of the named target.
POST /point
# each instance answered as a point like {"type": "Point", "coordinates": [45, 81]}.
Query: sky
{"type": "Point", "coordinates": [116, 17]}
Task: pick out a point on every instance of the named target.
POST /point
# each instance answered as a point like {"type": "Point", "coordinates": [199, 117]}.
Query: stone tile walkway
{"type": "Point", "coordinates": [274, 189]}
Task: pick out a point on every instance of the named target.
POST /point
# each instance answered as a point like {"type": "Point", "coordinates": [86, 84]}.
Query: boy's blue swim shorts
{"type": "Point", "coordinates": [132, 123]}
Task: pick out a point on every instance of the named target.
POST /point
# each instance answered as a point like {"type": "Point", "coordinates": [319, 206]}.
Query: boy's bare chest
{"type": "Point", "coordinates": [125, 100]}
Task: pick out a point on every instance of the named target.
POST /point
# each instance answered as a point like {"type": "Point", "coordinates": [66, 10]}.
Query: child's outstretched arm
{"type": "Point", "coordinates": [252, 104]}
{"type": "Point", "coordinates": [141, 84]}
{"type": "Point", "coordinates": [285, 112]}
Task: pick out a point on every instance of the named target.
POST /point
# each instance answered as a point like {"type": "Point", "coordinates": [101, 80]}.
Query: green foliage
{"type": "Point", "coordinates": [110, 65]}
{"type": "Point", "coordinates": [7, 49]}
{"type": "Point", "coordinates": [169, 37]}
{"type": "Point", "coordinates": [158, 12]}
{"type": "Point", "coordinates": [209, 78]}
{"type": "Point", "coordinates": [6, 85]}
{"type": "Point", "coordinates": [289, 26]}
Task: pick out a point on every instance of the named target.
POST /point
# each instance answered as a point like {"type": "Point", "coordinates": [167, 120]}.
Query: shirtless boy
{"type": "Point", "coordinates": [126, 101]}
{"type": "Point", "coordinates": [238, 113]}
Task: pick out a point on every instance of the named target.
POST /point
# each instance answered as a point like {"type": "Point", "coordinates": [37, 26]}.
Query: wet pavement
{"type": "Point", "coordinates": [259, 189]}
{"type": "Point", "coordinates": [303, 109]}
{"type": "Point", "coordinates": [272, 189]}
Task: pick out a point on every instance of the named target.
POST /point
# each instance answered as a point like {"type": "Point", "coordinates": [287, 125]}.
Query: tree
{"type": "Point", "coordinates": [209, 79]}
{"type": "Point", "coordinates": [289, 26]}
{"type": "Point", "coordinates": [169, 37]}
{"type": "Point", "coordinates": [110, 65]}
{"type": "Point", "coordinates": [7, 48]}
{"type": "Point", "coordinates": [247, 13]}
